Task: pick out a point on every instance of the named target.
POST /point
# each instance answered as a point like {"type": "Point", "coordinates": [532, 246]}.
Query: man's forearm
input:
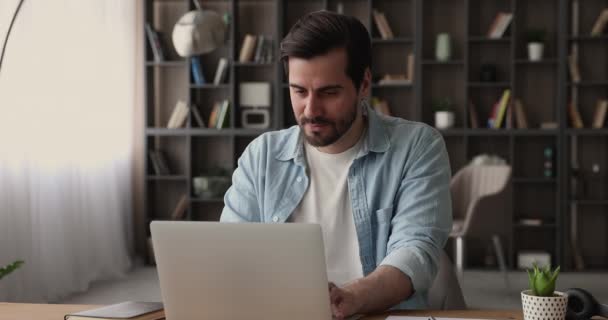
{"type": "Point", "coordinates": [382, 289]}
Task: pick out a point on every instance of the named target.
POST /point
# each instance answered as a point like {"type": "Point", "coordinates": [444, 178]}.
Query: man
{"type": "Point", "coordinates": [378, 186]}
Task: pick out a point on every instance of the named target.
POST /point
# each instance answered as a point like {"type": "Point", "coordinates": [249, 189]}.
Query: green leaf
{"type": "Point", "coordinates": [4, 271]}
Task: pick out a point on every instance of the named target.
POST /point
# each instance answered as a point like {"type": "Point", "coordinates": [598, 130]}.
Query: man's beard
{"type": "Point", "coordinates": [337, 128]}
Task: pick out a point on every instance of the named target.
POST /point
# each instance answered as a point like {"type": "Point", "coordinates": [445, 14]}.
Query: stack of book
{"type": "Point", "coordinates": [257, 49]}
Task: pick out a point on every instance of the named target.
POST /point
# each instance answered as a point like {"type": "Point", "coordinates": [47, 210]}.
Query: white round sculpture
{"type": "Point", "coordinates": [198, 32]}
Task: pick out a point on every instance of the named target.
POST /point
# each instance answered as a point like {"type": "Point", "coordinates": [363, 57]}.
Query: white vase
{"type": "Point", "coordinates": [444, 119]}
{"type": "Point", "coordinates": [535, 51]}
{"type": "Point", "coordinates": [544, 308]}
{"type": "Point", "coordinates": [443, 47]}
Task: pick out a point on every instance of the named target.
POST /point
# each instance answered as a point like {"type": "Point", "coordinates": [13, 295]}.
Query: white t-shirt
{"type": "Point", "coordinates": [327, 202]}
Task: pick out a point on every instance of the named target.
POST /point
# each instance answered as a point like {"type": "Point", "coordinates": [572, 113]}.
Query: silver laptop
{"type": "Point", "coordinates": [211, 270]}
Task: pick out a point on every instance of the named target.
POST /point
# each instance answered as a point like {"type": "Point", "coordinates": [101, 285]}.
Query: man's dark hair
{"type": "Point", "coordinates": [319, 32]}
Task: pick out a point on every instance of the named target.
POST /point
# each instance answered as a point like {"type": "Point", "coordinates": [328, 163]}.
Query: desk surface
{"type": "Point", "coordinates": [24, 311]}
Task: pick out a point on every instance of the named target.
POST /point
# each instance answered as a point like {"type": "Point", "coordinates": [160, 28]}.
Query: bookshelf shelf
{"type": "Point", "coordinates": [392, 85]}
{"type": "Point", "coordinates": [588, 84]}
{"type": "Point", "coordinates": [534, 180]}
{"type": "Point", "coordinates": [587, 132]}
{"type": "Point", "coordinates": [590, 202]}
{"type": "Point", "coordinates": [254, 64]}
{"type": "Point", "coordinates": [393, 41]}
{"type": "Point", "coordinates": [210, 86]}
{"type": "Point", "coordinates": [443, 63]}
{"type": "Point", "coordinates": [589, 38]}
{"type": "Point", "coordinates": [483, 39]}
{"type": "Point", "coordinates": [166, 177]}
{"type": "Point", "coordinates": [544, 62]}
{"type": "Point", "coordinates": [170, 64]}
{"type": "Point", "coordinates": [206, 200]}
{"type": "Point", "coordinates": [541, 226]}
{"type": "Point", "coordinates": [503, 85]}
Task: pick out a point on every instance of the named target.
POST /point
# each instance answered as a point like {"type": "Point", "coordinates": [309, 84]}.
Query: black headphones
{"type": "Point", "coordinates": [582, 305]}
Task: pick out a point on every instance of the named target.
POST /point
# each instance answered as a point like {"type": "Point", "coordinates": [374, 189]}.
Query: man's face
{"type": "Point", "coordinates": [323, 97]}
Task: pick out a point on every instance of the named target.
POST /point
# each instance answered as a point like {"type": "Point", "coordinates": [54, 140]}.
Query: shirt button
{"type": "Point", "coordinates": [275, 219]}
{"type": "Point", "coordinates": [299, 179]}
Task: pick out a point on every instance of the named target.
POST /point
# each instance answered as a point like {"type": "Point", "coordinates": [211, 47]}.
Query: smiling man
{"type": "Point", "coordinates": [378, 186]}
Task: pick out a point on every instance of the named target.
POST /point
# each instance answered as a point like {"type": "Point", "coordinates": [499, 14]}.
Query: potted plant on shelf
{"type": "Point", "coordinates": [444, 114]}
{"type": "Point", "coordinates": [541, 301]}
{"type": "Point", "coordinates": [536, 40]}
{"type": "Point", "coordinates": [4, 271]}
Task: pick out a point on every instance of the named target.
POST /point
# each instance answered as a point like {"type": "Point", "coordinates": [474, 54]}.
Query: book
{"type": "Point", "coordinates": [259, 49]}
{"type": "Point", "coordinates": [247, 48]}
{"type": "Point", "coordinates": [600, 114]}
{"type": "Point", "coordinates": [500, 25]}
{"type": "Point", "coordinates": [220, 72]}
{"type": "Point", "coordinates": [520, 115]}
{"type": "Point", "coordinates": [394, 79]}
{"type": "Point", "coordinates": [180, 209]}
{"type": "Point", "coordinates": [575, 116]}
{"type": "Point", "coordinates": [159, 163]}
{"type": "Point", "coordinates": [600, 23]}
{"type": "Point", "coordinates": [223, 115]}
{"type": "Point", "coordinates": [411, 68]}
{"type": "Point", "coordinates": [575, 74]}
{"type": "Point", "coordinates": [197, 116]}
{"type": "Point", "coordinates": [213, 115]}
{"type": "Point", "coordinates": [197, 71]}
{"type": "Point", "coordinates": [509, 116]}
{"type": "Point", "coordinates": [178, 116]}
{"type": "Point", "coordinates": [382, 25]}
{"type": "Point", "coordinates": [155, 45]}
{"type": "Point", "coordinates": [126, 310]}
{"type": "Point", "coordinates": [502, 107]}
{"type": "Point", "coordinates": [473, 119]}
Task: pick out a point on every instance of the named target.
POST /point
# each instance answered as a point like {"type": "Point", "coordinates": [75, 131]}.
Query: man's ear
{"type": "Point", "coordinates": [366, 84]}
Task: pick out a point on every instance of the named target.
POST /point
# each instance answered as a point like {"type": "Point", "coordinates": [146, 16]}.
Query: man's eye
{"type": "Point", "coordinates": [330, 92]}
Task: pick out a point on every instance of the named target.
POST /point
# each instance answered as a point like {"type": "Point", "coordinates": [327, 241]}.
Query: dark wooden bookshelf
{"type": "Point", "coordinates": [544, 87]}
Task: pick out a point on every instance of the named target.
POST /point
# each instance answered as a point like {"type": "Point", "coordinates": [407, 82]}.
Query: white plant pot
{"type": "Point", "coordinates": [535, 51]}
{"type": "Point", "coordinates": [544, 308]}
{"type": "Point", "coordinates": [444, 119]}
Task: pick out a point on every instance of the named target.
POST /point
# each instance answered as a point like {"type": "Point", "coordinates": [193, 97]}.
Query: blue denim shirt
{"type": "Point", "coordinates": [398, 185]}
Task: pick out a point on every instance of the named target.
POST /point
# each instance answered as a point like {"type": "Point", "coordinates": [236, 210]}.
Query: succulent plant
{"type": "Point", "coordinates": [4, 271]}
{"type": "Point", "coordinates": [542, 281]}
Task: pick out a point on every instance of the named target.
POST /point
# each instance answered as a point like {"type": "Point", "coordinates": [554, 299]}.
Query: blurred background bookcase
{"type": "Point", "coordinates": [569, 207]}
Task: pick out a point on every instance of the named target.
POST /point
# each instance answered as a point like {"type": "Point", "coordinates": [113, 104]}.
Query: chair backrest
{"type": "Point", "coordinates": [475, 181]}
{"type": "Point", "coordinates": [445, 293]}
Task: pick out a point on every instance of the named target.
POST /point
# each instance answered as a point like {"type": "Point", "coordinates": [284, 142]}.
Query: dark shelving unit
{"type": "Point", "coordinates": [544, 87]}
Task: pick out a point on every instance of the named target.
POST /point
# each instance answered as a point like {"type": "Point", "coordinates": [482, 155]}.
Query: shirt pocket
{"type": "Point", "coordinates": [383, 230]}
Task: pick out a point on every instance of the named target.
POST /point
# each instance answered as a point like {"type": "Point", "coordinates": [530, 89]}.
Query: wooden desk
{"type": "Point", "coordinates": [24, 311]}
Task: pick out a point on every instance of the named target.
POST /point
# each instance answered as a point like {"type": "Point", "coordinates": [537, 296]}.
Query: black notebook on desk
{"type": "Point", "coordinates": [126, 310]}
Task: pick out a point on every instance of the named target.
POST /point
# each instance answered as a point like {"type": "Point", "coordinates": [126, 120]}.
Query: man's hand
{"type": "Point", "coordinates": [380, 290]}
{"type": "Point", "coordinates": [344, 301]}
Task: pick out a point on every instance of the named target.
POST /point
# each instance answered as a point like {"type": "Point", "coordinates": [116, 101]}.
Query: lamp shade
{"type": "Point", "coordinates": [198, 32]}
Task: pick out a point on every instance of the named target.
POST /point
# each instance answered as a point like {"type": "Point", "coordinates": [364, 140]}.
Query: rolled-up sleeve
{"type": "Point", "coordinates": [422, 218]}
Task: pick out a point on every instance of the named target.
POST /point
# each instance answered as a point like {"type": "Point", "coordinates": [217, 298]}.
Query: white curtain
{"type": "Point", "coordinates": [67, 92]}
